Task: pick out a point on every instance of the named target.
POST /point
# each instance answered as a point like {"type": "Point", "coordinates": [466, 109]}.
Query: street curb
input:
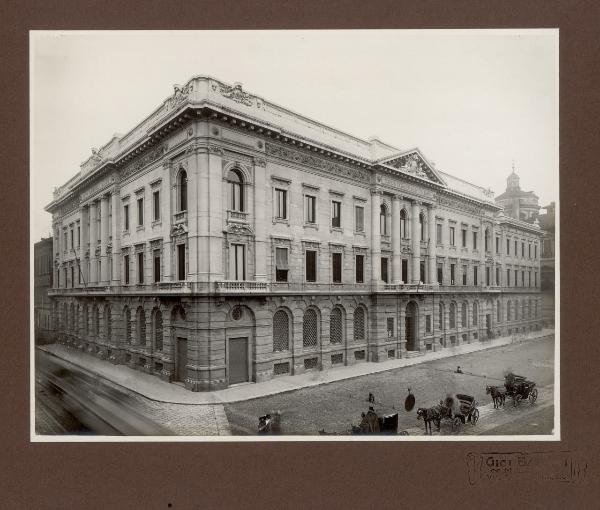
{"type": "Point", "coordinates": [418, 361]}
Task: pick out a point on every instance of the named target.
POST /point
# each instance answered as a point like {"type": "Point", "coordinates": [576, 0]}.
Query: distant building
{"type": "Point", "coordinates": [547, 223]}
{"type": "Point", "coordinates": [42, 282]}
{"type": "Point", "coordinates": [518, 204]}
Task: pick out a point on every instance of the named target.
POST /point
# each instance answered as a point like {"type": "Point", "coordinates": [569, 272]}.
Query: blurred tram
{"type": "Point", "coordinates": [103, 409]}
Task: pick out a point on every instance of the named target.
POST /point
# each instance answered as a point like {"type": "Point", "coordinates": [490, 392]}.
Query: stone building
{"type": "Point", "coordinates": [547, 269]}
{"type": "Point", "coordinates": [43, 262]}
{"type": "Point", "coordinates": [226, 239]}
{"type": "Point", "coordinates": [517, 203]}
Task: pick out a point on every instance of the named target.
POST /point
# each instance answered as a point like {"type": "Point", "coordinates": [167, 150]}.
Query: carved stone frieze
{"type": "Point", "coordinates": [279, 151]}
{"type": "Point", "coordinates": [178, 230]}
{"type": "Point", "coordinates": [461, 205]}
{"type": "Point", "coordinates": [156, 244]}
{"type": "Point", "coordinates": [214, 149]}
{"type": "Point", "coordinates": [260, 162]}
{"type": "Point", "coordinates": [234, 93]}
{"type": "Point", "coordinates": [143, 161]}
{"type": "Point", "coordinates": [180, 95]}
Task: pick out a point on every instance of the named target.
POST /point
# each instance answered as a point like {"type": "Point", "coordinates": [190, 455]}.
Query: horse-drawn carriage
{"type": "Point", "coordinates": [371, 424]}
{"type": "Point", "coordinates": [458, 408]}
{"type": "Point", "coordinates": [519, 388]}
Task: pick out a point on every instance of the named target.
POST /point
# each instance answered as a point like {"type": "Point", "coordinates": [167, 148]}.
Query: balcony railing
{"type": "Point", "coordinates": [180, 217]}
{"type": "Point", "coordinates": [241, 286]}
{"type": "Point", "coordinates": [237, 216]}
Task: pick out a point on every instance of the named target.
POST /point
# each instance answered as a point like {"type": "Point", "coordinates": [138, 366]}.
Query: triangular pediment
{"type": "Point", "coordinates": [412, 162]}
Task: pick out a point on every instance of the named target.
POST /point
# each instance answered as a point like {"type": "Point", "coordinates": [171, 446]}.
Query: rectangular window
{"type": "Point", "coordinates": [78, 237]}
{"type": "Point", "coordinates": [535, 276]}
{"type": "Point", "coordinates": [497, 245]}
{"type": "Point", "coordinates": [508, 277]}
{"type": "Point", "coordinates": [475, 275]}
{"type": "Point", "coordinates": [438, 237]}
{"type": "Point", "coordinates": [487, 276]}
{"type": "Point", "coordinates": [72, 239]}
{"type": "Point", "coordinates": [156, 203]}
{"type": "Point", "coordinates": [336, 214]}
{"type": "Point", "coordinates": [535, 251]}
{"type": "Point", "coordinates": [508, 246]}
{"type": "Point", "coordinates": [359, 218]}
{"type": "Point", "coordinates": [281, 197]}
{"type": "Point", "coordinates": [451, 236]}
{"type": "Point", "coordinates": [440, 274]}
{"type": "Point", "coordinates": [181, 261]}
{"type": "Point", "coordinates": [516, 278]}
{"type": "Point", "coordinates": [464, 275]}
{"type": "Point", "coordinates": [311, 266]}
{"type": "Point", "coordinates": [281, 264]}
{"type": "Point", "coordinates": [72, 276]}
{"type": "Point", "coordinates": [474, 240]}
{"type": "Point", "coordinates": [310, 206]}
{"type": "Point", "coordinates": [65, 247]}
{"type": "Point", "coordinates": [359, 264]}
{"type": "Point", "coordinates": [522, 278]}
{"type": "Point", "coordinates": [529, 250]}
{"type": "Point", "coordinates": [126, 268]}
{"type": "Point", "coordinates": [516, 252]}
{"type": "Point", "coordinates": [140, 267]}
{"type": "Point", "coordinates": [529, 278]}
{"type": "Point", "coordinates": [390, 327]}
{"type": "Point", "coordinates": [140, 206]}
{"type": "Point", "coordinates": [238, 262]}
{"type": "Point", "coordinates": [156, 266]}
{"type": "Point", "coordinates": [464, 238]}
{"type": "Point", "coordinates": [452, 267]}
{"type": "Point", "coordinates": [422, 272]}
{"type": "Point", "coordinates": [405, 270]}
{"type": "Point", "coordinates": [79, 273]}
{"type": "Point", "coordinates": [126, 216]}
{"type": "Point", "coordinates": [497, 282]}
{"type": "Point", "coordinates": [523, 250]}
{"type": "Point", "coordinates": [428, 324]}
{"type": "Point", "coordinates": [336, 259]}
{"type": "Point", "coordinates": [384, 269]}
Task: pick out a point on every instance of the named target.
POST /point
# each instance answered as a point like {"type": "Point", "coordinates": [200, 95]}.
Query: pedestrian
{"type": "Point", "coordinates": [458, 370]}
{"type": "Point", "coordinates": [371, 397]}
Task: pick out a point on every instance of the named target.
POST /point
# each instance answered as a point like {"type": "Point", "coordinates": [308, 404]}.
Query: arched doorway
{"type": "Point", "coordinates": [411, 327]}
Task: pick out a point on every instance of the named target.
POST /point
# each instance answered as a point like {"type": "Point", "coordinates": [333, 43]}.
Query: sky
{"type": "Point", "coordinates": [472, 101]}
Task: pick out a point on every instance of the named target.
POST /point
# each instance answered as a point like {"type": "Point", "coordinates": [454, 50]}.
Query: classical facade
{"type": "Point", "coordinates": [226, 239]}
{"type": "Point", "coordinates": [43, 263]}
{"type": "Point", "coordinates": [547, 269]}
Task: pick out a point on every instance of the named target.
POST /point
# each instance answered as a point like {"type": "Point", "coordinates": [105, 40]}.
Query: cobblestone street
{"type": "Point", "coordinates": [335, 406]}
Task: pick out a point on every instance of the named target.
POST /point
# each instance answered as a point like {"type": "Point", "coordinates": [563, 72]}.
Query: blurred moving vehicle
{"type": "Point", "coordinates": [103, 409]}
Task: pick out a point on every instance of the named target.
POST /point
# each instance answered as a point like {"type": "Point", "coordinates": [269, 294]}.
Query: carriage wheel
{"type": "Point", "coordinates": [533, 395]}
{"type": "Point", "coordinates": [456, 423]}
{"type": "Point", "coordinates": [474, 416]}
{"type": "Point", "coordinates": [518, 399]}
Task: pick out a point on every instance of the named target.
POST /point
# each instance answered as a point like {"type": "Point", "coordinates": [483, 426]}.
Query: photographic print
{"type": "Point", "coordinates": [294, 235]}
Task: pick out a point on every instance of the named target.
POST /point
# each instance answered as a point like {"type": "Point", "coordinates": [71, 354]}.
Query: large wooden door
{"type": "Point", "coordinates": [181, 359]}
{"type": "Point", "coordinates": [238, 360]}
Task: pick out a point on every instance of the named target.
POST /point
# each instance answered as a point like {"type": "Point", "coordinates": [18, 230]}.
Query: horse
{"type": "Point", "coordinates": [431, 414]}
{"type": "Point", "coordinates": [498, 396]}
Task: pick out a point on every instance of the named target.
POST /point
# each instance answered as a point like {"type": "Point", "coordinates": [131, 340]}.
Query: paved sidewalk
{"type": "Point", "coordinates": [153, 388]}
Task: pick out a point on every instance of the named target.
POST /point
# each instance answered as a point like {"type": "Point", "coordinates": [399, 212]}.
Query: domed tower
{"type": "Point", "coordinates": [519, 204]}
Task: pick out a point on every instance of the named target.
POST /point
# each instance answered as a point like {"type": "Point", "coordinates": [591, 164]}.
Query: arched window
{"type": "Point", "coordinates": [157, 329]}
{"type": "Point", "coordinates": [310, 328]}
{"type": "Point", "coordinates": [182, 190]}
{"type": "Point", "coordinates": [383, 220]}
{"type": "Point", "coordinates": [281, 331]}
{"type": "Point", "coordinates": [236, 185]}
{"type": "Point", "coordinates": [107, 322]}
{"type": "Point", "coordinates": [359, 323]}
{"type": "Point", "coordinates": [403, 231]}
{"type": "Point", "coordinates": [452, 316]}
{"type": "Point", "coordinates": [498, 311]}
{"type": "Point", "coordinates": [336, 326]}
{"type": "Point", "coordinates": [508, 312]}
{"type": "Point", "coordinates": [422, 226]}
{"type": "Point", "coordinates": [463, 315]}
{"type": "Point", "coordinates": [475, 314]}
{"type": "Point", "coordinates": [141, 326]}
{"type": "Point", "coordinates": [441, 316]}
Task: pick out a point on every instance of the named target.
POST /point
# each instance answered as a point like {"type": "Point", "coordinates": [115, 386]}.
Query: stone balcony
{"type": "Point", "coordinates": [241, 287]}
{"type": "Point", "coordinates": [237, 216]}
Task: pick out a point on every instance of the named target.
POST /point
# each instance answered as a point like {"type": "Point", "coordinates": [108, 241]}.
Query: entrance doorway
{"type": "Point", "coordinates": [181, 359]}
{"type": "Point", "coordinates": [238, 360]}
{"type": "Point", "coordinates": [410, 327]}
